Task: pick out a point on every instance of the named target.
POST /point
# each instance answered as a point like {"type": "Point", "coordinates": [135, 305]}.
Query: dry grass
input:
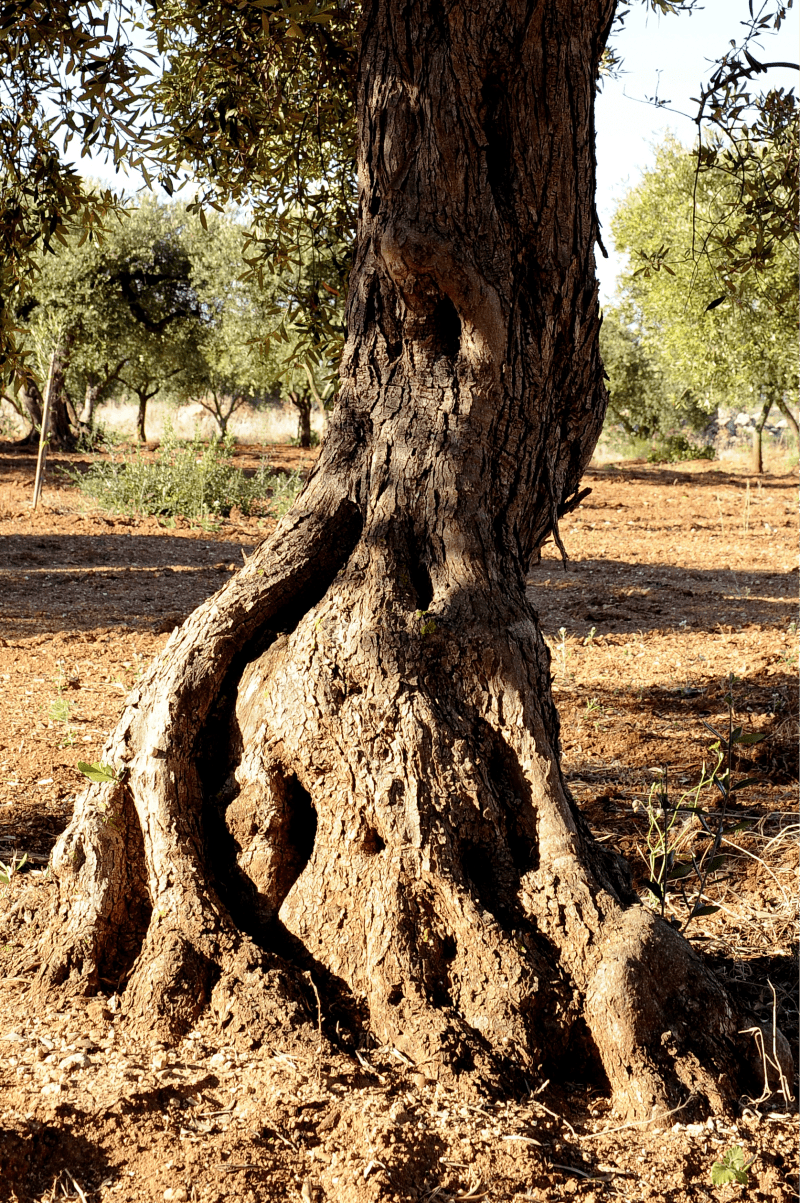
{"type": "Point", "coordinates": [276, 424]}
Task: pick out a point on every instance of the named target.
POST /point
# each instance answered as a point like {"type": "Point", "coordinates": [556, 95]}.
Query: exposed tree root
{"type": "Point", "coordinates": [379, 803]}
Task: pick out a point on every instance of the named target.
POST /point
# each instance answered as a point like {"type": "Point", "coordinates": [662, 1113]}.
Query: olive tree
{"type": "Point", "coordinates": [347, 761]}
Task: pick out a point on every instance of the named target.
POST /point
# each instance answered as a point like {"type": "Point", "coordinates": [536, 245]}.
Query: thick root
{"type": "Point", "coordinates": [103, 906]}
{"type": "Point", "coordinates": [253, 996]}
{"type": "Point", "coordinates": [379, 801]}
{"type": "Point", "coordinates": [663, 1025]}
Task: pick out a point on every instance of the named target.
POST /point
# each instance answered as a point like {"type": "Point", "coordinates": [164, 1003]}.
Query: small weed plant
{"type": "Point", "coordinates": [60, 711]}
{"type": "Point", "coordinates": [675, 865]}
{"type": "Point", "coordinates": [733, 1166]}
{"type": "Point", "coordinates": [197, 481]}
{"type": "Point", "coordinates": [9, 871]}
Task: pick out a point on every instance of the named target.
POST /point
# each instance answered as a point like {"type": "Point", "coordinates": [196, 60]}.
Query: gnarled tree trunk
{"type": "Point", "coordinates": [348, 758]}
{"type": "Point", "coordinates": [31, 399]}
{"type": "Point", "coordinates": [62, 433]}
{"type": "Point", "coordinates": [302, 403]}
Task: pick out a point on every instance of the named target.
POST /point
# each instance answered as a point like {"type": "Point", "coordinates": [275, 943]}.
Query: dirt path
{"type": "Point", "coordinates": [678, 577]}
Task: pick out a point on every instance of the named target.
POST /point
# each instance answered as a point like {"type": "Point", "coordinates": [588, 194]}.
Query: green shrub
{"type": "Point", "coordinates": [294, 441]}
{"type": "Point", "coordinates": [193, 480]}
{"type": "Point", "coordinates": [675, 448]}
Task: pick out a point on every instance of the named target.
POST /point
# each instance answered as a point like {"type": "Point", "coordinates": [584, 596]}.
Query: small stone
{"type": "Point", "coordinates": [74, 1061]}
{"type": "Point", "coordinates": [398, 1114]}
{"type": "Point", "coordinates": [175, 1194]}
{"type": "Point", "coordinates": [419, 1080]}
{"type": "Point", "coordinates": [51, 1088]}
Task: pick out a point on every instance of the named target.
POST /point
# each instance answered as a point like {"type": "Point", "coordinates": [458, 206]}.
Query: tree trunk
{"type": "Point", "coordinates": [347, 760]}
{"type": "Point", "coordinates": [63, 434]}
{"type": "Point", "coordinates": [31, 398]}
{"type": "Point", "coordinates": [96, 389]}
{"type": "Point", "coordinates": [141, 412]}
{"type": "Point", "coordinates": [91, 396]}
{"type": "Point", "coordinates": [790, 418]}
{"type": "Point", "coordinates": [302, 403]}
{"type": "Point", "coordinates": [757, 463]}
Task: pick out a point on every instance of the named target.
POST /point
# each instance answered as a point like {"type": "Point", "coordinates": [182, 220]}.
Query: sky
{"type": "Point", "coordinates": [668, 57]}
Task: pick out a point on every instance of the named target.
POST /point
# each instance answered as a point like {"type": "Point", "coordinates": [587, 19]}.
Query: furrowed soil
{"type": "Point", "coordinates": [678, 577]}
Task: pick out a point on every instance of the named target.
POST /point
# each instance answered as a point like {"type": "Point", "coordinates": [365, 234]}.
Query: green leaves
{"type": "Point", "coordinates": [9, 871]}
{"type": "Point", "coordinates": [709, 302]}
{"type": "Point", "coordinates": [732, 1167]}
{"type": "Point", "coordinates": [101, 773]}
{"type": "Point", "coordinates": [61, 74]}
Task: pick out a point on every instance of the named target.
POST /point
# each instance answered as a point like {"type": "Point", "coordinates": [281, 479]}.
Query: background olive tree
{"type": "Point", "coordinates": [707, 310]}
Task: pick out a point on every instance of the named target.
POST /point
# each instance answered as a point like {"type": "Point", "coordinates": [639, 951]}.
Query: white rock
{"type": "Point", "coordinates": [398, 1113]}
{"type": "Point", "coordinates": [51, 1088]}
{"type": "Point", "coordinates": [175, 1193]}
{"type": "Point", "coordinates": [74, 1061]}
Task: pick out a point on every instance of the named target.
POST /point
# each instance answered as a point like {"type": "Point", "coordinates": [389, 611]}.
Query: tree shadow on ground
{"type": "Point", "coordinates": [80, 582]}
{"type": "Point", "coordinates": [113, 551]}
{"type": "Point", "coordinates": [672, 728]}
{"type": "Point", "coordinates": [709, 477]}
{"type": "Point", "coordinates": [617, 597]}
{"type": "Point", "coordinates": [34, 1155]}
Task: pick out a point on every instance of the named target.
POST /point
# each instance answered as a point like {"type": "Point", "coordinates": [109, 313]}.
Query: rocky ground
{"type": "Point", "coordinates": [679, 576]}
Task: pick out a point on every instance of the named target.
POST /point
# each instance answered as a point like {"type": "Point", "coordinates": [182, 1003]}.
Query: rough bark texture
{"type": "Point", "coordinates": [302, 403]}
{"type": "Point", "coordinates": [347, 760]}
{"type": "Point", "coordinates": [757, 459]}
{"type": "Point", "coordinates": [62, 433]}
{"type": "Point", "coordinates": [31, 398]}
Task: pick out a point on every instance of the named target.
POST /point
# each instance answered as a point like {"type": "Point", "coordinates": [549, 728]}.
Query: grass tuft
{"type": "Point", "coordinates": [196, 480]}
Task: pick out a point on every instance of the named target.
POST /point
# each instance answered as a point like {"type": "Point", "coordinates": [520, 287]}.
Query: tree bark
{"type": "Point", "coordinates": [63, 434]}
{"type": "Point", "coordinates": [757, 464]}
{"type": "Point", "coordinates": [302, 403]}
{"type": "Point", "coordinates": [141, 412]}
{"type": "Point", "coordinates": [790, 418]}
{"type": "Point", "coordinates": [31, 398]}
{"type": "Point", "coordinates": [347, 760]}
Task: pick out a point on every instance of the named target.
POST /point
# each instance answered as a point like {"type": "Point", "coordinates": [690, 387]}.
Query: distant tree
{"type": "Point", "coordinates": [118, 309]}
{"type": "Point", "coordinates": [642, 397]}
{"type": "Point", "coordinates": [727, 332]}
{"type": "Point", "coordinates": [68, 72]}
{"type": "Point", "coordinates": [233, 364]}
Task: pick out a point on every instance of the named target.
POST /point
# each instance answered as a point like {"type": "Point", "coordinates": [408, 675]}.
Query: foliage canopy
{"type": "Point", "coordinates": [711, 331]}
{"type": "Point", "coordinates": [254, 102]}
